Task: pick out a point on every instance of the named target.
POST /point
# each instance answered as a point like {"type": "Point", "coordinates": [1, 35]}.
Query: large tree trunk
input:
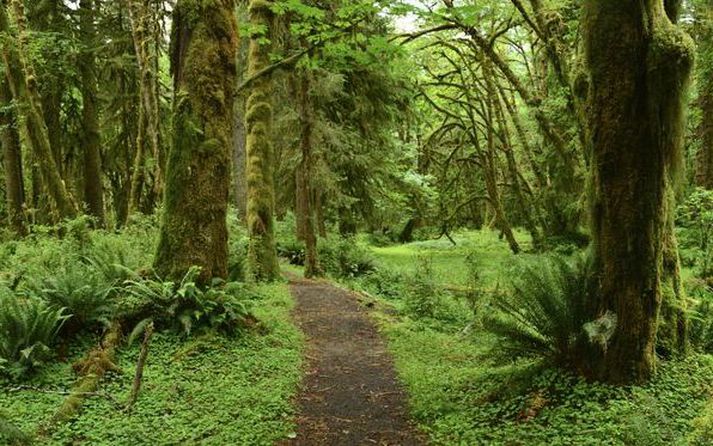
{"type": "Point", "coordinates": [304, 177]}
{"type": "Point", "coordinates": [194, 228]}
{"type": "Point", "coordinates": [639, 64]}
{"type": "Point", "coordinates": [12, 162]}
{"type": "Point", "coordinates": [93, 187]}
{"type": "Point", "coordinates": [24, 87]}
{"type": "Point", "coordinates": [262, 255]}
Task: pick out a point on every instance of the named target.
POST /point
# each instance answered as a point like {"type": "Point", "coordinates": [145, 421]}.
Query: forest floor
{"type": "Point", "coordinates": [351, 395]}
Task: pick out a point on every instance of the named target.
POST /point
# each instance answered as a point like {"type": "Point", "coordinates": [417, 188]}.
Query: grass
{"type": "Point", "coordinates": [460, 396]}
{"type": "Point", "coordinates": [450, 268]}
{"type": "Point", "coordinates": [210, 390]}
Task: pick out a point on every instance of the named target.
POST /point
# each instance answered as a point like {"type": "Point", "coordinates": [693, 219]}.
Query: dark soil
{"type": "Point", "coordinates": [350, 395]}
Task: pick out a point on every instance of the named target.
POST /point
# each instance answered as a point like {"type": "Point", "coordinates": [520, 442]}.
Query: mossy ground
{"type": "Point", "coordinates": [208, 390]}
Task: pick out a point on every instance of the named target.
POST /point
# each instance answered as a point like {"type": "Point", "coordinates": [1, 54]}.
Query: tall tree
{"type": "Point", "coordinates": [23, 83]}
{"type": "Point", "coordinates": [639, 64]}
{"type": "Point", "coordinates": [262, 254]}
{"type": "Point", "coordinates": [93, 185]}
{"type": "Point", "coordinates": [304, 176]}
{"type": "Point", "coordinates": [12, 160]}
{"type": "Point", "coordinates": [203, 57]}
{"type": "Point", "coordinates": [704, 158]}
{"type": "Point", "coordinates": [146, 30]}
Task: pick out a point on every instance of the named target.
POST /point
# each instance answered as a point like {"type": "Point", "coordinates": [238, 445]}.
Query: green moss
{"type": "Point", "coordinates": [262, 252]}
{"type": "Point", "coordinates": [194, 229]}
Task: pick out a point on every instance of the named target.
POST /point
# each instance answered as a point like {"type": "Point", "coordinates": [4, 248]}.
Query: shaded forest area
{"type": "Point", "coordinates": [517, 193]}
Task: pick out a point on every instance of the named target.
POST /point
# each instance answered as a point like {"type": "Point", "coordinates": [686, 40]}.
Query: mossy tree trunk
{"type": "Point", "coordinates": [704, 157]}
{"type": "Point", "coordinates": [145, 31]}
{"type": "Point", "coordinates": [262, 254]}
{"type": "Point", "coordinates": [93, 186]}
{"type": "Point", "coordinates": [12, 161]}
{"type": "Point", "coordinates": [639, 64]}
{"type": "Point", "coordinates": [304, 189]}
{"type": "Point", "coordinates": [203, 54]}
{"type": "Point", "coordinates": [24, 88]}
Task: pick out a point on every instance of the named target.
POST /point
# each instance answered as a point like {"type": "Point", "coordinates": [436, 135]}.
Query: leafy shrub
{"type": "Point", "coordinates": [237, 248]}
{"type": "Point", "coordinates": [701, 316]}
{"type": "Point", "coordinates": [385, 282]}
{"type": "Point", "coordinates": [422, 292]}
{"type": "Point", "coordinates": [544, 314]}
{"type": "Point", "coordinates": [80, 289]}
{"type": "Point", "coordinates": [695, 222]}
{"type": "Point", "coordinates": [288, 245]}
{"type": "Point", "coordinates": [185, 307]}
{"type": "Point", "coordinates": [28, 327]}
{"type": "Point", "coordinates": [345, 258]}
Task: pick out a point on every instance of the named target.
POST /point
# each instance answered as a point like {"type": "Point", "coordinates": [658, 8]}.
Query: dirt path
{"type": "Point", "coordinates": [350, 395]}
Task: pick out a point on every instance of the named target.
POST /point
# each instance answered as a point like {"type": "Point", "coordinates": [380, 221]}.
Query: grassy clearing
{"type": "Point", "coordinates": [460, 396]}
{"type": "Point", "coordinates": [449, 265]}
{"type": "Point", "coordinates": [208, 390]}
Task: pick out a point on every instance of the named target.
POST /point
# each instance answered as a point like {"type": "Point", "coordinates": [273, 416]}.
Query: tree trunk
{"type": "Point", "coordinates": [639, 65]}
{"type": "Point", "coordinates": [203, 56]}
{"type": "Point", "coordinates": [704, 157]}
{"type": "Point", "coordinates": [304, 175]}
{"type": "Point", "coordinates": [93, 187]}
{"type": "Point", "coordinates": [240, 160]}
{"type": "Point", "coordinates": [262, 255]}
{"type": "Point", "coordinates": [143, 28]}
{"type": "Point", "coordinates": [26, 90]}
{"type": "Point", "coordinates": [12, 162]}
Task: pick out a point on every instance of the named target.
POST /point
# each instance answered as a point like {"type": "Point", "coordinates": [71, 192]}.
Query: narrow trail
{"type": "Point", "coordinates": [350, 395]}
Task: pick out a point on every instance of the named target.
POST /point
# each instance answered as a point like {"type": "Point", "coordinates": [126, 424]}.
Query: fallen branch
{"type": "Point", "coordinates": [148, 333]}
{"type": "Point", "coordinates": [91, 371]}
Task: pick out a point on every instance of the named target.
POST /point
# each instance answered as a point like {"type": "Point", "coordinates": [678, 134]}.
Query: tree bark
{"type": "Point", "coordinates": [639, 65]}
{"type": "Point", "coordinates": [93, 185]}
{"type": "Point", "coordinates": [144, 34]}
{"type": "Point", "coordinates": [12, 162]}
{"type": "Point", "coordinates": [262, 254]}
{"type": "Point", "coordinates": [304, 190]}
{"type": "Point", "coordinates": [203, 56]}
{"type": "Point", "coordinates": [704, 157]}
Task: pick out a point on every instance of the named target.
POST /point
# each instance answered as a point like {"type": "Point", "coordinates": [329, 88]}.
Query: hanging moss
{"type": "Point", "coordinates": [262, 254]}
{"type": "Point", "coordinates": [194, 229]}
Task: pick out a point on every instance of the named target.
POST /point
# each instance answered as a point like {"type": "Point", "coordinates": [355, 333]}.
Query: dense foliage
{"type": "Point", "coordinates": [520, 192]}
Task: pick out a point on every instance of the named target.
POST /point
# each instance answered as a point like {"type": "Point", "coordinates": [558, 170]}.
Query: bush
{"type": "Point", "coordinates": [544, 314]}
{"type": "Point", "coordinates": [237, 250]}
{"type": "Point", "coordinates": [422, 297]}
{"type": "Point", "coordinates": [185, 307]}
{"type": "Point", "coordinates": [695, 223]}
{"type": "Point", "coordinates": [79, 288]}
{"type": "Point", "coordinates": [384, 282]}
{"type": "Point", "coordinates": [28, 327]}
{"type": "Point", "coordinates": [288, 245]}
{"type": "Point", "coordinates": [345, 258]}
{"type": "Point", "coordinates": [701, 317]}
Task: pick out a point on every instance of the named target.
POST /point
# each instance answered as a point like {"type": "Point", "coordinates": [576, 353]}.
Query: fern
{"type": "Point", "coordinates": [185, 307]}
{"type": "Point", "coordinates": [28, 327]}
{"type": "Point", "coordinates": [544, 315]}
{"type": "Point", "coordinates": [81, 290]}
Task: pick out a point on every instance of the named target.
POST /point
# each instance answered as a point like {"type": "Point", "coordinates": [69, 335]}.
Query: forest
{"type": "Point", "coordinates": [351, 222]}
